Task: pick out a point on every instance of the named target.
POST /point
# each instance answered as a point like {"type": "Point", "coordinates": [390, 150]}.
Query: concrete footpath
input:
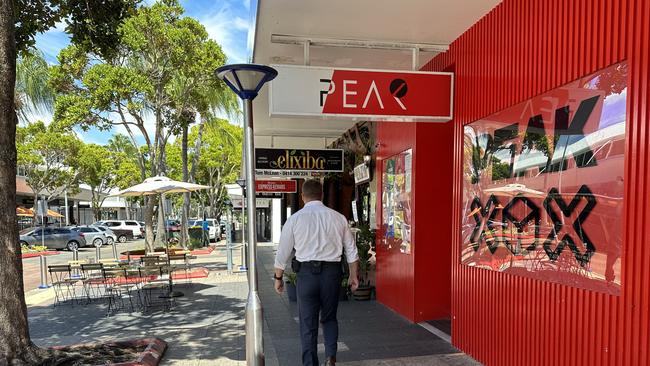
{"type": "Point", "coordinates": [370, 333]}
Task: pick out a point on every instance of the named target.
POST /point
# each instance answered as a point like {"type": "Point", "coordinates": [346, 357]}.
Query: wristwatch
{"type": "Point", "coordinates": [277, 278]}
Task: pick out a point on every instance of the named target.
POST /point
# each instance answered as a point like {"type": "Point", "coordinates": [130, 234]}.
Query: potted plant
{"type": "Point", "coordinates": [365, 240]}
{"type": "Point", "coordinates": [345, 289]}
{"type": "Point", "coordinates": [290, 283]}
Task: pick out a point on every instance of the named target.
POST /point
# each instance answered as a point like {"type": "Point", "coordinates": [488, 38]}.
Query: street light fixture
{"type": "Point", "coordinates": [246, 80]}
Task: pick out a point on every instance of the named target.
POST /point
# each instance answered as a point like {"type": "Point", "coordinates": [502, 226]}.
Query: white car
{"type": "Point", "coordinates": [134, 226]}
{"type": "Point", "coordinates": [214, 232]}
{"type": "Point", "coordinates": [110, 235]}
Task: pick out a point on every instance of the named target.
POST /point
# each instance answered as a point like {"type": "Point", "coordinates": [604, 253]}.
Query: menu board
{"type": "Point", "coordinates": [396, 201]}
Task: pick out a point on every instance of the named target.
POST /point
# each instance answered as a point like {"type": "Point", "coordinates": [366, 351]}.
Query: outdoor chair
{"type": "Point", "coordinates": [63, 283]}
{"type": "Point", "coordinates": [118, 287]}
{"type": "Point", "coordinates": [75, 266]}
{"type": "Point", "coordinates": [180, 262]}
{"type": "Point", "coordinates": [92, 280]}
{"type": "Point", "coordinates": [155, 284]}
{"type": "Point", "coordinates": [109, 262]}
{"type": "Point", "coordinates": [152, 260]}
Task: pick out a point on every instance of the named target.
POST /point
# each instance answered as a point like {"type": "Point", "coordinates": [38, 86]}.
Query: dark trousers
{"type": "Point", "coordinates": [318, 292]}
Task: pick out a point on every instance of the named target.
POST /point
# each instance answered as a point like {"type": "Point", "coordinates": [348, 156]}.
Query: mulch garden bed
{"type": "Point", "coordinates": [138, 352]}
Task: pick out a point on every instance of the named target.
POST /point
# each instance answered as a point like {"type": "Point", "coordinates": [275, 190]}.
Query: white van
{"type": "Point", "coordinates": [134, 226]}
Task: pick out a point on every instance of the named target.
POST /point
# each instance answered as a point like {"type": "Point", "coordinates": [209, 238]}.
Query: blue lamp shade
{"type": "Point", "coordinates": [246, 80]}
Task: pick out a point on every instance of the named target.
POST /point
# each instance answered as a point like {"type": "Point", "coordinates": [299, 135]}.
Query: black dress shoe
{"type": "Point", "coordinates": [330, 361]}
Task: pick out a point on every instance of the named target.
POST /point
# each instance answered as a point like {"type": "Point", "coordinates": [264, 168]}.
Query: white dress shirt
{"type": "Point", "coordinates": [317, 233]}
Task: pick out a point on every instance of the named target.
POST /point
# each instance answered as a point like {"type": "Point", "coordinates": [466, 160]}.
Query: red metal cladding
{"type": "Point", "coordinates": [519, 50]}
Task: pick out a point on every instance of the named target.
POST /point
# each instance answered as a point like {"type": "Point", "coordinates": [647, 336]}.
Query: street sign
{"type": "Point", "coordinates": [270, 161]}
{"type": "Point", "coordinates": [275, 186]}
{"type": "Point", "coordinates": [361, 94]}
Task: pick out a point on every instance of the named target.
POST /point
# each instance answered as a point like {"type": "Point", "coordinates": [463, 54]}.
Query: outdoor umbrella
{"type": "Point", "coordinates": [161, 185]}
{"type": "Point", "coordinates": [514, 189]}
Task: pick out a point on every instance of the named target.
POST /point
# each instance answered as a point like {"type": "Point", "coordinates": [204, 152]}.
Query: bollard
{"type": "Point", "coordinates": [98, 254]}
{"type": "Point", "coordinates": [75, 259]}
{"type": "Point", "coordinates": [114, 251]}
{"type": "Point", "coordinates": [229, 256]}
{"type": "Point", "coordinates": [43, 264]}
{"type": "Point", "coordinates": [243, 267]}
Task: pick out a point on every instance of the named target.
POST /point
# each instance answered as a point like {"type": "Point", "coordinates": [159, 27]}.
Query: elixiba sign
{"type": "Point", "coordinates": [358, 94]}
{"type": "Point", "coordinates": [292, 162]}
{"type": "Point", "coordinates": [543, 185]}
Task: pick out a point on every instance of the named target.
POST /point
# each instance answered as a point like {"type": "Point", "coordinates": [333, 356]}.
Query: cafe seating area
{"type": "Point", "coordinates": [145, 284]}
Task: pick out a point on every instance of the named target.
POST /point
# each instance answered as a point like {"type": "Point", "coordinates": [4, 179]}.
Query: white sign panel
{"type": "Point", "coordinates": [361, 94]}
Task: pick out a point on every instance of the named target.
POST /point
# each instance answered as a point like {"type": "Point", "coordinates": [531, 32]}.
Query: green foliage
{"type": "Point", "coordinates": [291, 277]}
{"type": "Point", "coordinates": [365, 241]}
{"type": "Point", "coordinates": [91, 23]}
{"type": "Point", "coordinates": [33, 94]}
{"type": "Point", "coordinates": [95, 166]}
{"type": "Point", "coordinates": [47, 156]}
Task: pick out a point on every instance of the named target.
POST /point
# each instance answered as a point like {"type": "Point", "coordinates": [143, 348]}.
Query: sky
{"type": "Point", "coordinates": [226, 21]}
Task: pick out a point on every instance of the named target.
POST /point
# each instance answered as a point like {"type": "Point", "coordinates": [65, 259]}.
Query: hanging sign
{"type": "Point", "coordinates": [361, 94]}
{"type": "Point", "coordinates": [297, 162]}
{"type": "Point", "coordinates": [275, 186]}
{"type": "Point", "coordinates": [361, 173]}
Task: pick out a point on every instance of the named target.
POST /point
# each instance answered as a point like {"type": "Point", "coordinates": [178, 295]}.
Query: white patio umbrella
{"type": "Point", "coordinates": [514, 189]}
{"type": "Point", "coordinates": [160, 185]}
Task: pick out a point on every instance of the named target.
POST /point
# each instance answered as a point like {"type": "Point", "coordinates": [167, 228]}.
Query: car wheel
{"type": "Point", "coordinates": [98, 242]}
{"type": "Point", "coordinates": [109, 241]}
{"type": "Point", "coordinates": [72, 246]}
{"type": "Point", "coordinates": [122, 239]}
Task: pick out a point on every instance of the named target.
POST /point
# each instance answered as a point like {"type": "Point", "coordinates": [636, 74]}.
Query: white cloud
{"type": "Point", "coordinates": [229, 30]}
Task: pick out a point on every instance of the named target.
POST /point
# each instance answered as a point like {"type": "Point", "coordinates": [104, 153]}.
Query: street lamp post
{"type": "Point", "coordinates": [246, 80]}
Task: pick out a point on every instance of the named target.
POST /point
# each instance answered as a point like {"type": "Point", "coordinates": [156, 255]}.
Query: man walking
{"type": "Point", "coordinates": [319, 236]}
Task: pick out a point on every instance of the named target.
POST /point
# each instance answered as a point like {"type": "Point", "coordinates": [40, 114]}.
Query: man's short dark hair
{"type": "Point", "coordinates": [312, 189]}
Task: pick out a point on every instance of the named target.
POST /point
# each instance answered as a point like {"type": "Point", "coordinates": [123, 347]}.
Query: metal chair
{"type": "Point", "coordinates": [117, 288]}
{"type": "Point", "coordinates": [63, 283]}
{"type": "Point", "coordinates": [155, 280]}
{"type": "Point", "coordinates": [92, 280]}
{"type": "Point", "coordinates": [180, 262]}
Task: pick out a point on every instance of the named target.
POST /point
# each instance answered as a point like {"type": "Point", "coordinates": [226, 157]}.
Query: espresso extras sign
{"type": "Point", "coordinates": [297, 162]}
{"type": "Point", "coordinates": [543, 185]}
{"type": "Point", "coordinates": [361, 94]}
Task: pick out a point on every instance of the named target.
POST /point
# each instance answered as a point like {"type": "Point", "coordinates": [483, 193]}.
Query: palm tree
{"type": "Point", "coordinates": [33, 95]}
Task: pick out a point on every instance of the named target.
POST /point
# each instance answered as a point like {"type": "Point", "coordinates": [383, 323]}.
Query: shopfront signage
{"type": "Point", "coordinates": [297, 162]}
{"type": "Point", "coordinates": [361, 94]}
{"type": "Point", "coordinates": [259, 202]}
{"type": "Point", "coordinates": [543, 185]}
{"type": "Point", "coordinates": [275, 186]}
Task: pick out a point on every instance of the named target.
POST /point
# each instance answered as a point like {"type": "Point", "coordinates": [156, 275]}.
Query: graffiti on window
{"type": "Point", "coordinates": [543, 185]}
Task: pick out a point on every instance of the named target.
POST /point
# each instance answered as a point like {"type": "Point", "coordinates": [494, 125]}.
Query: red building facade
{"type": "Point", "coordinates": [520, 50]}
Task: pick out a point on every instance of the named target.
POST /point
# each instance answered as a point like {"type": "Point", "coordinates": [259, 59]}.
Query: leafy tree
{"type": "Point", "coordinates": [219, 163]}
{"type": "Point", "coordinates": [96, 168]}
{"type": "Point", "coordinates": [164, 71]}
{"type": "Point", "coordinates": [33, 94]}
{"type": "Point", "coordinates": [47, 156]}
{"type": "Point", "coordinates": [20, 21]}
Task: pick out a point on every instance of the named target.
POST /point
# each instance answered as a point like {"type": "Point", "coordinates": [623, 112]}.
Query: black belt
{"type": "Point", "coordinates": [319, 263]}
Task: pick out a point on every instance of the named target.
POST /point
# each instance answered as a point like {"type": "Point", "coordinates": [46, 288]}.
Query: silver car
{"type": "Point", "coordinates": [54, 238]}
{"type": "Point", "coordinates": [110, 235]}
{"type": "Point", "coordinates": [92, 234]}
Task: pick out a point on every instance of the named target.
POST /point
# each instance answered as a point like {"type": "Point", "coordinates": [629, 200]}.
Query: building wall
{"type": "Point", "coordinates": [517, 51]}
{"type": "Point", "coordinates": [418, 285]}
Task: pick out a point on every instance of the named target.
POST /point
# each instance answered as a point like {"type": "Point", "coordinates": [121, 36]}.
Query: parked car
{"type": "Point", "coordinates": [173, 225]}
{"type": "Point", "coordinates": [111, 237]}
{"type": "Point", "coordinates": [92, 234]}
{"type": "Point", "coordinates": [214, 232]}
{"type": "Point", "coordinates": [54, 238]}
{"type": "Point", "coordinates": [135, 227]}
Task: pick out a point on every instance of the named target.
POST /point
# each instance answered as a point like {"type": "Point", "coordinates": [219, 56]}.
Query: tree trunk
{"type": "Point", "coordinates": [186, 196]}
{"type": "Point", "coordinates": [148, 222]}
{"type": "Point", "coordinates": [160, 237]}
{"type": "Point", "coordinates": [16, 348]}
